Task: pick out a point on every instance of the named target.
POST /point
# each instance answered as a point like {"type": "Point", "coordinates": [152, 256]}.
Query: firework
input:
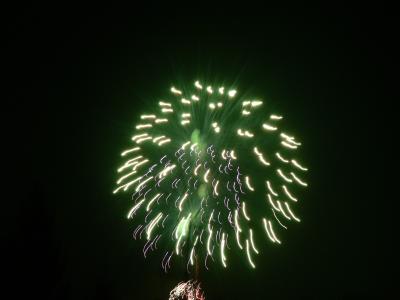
{"type": "Point", "coordinates": [189, 290]}
{"type": "Point", "coordinates": [206, 170]}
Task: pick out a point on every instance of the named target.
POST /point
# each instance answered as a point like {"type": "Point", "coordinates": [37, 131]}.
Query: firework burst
{"type": "Point", "coordinates": [206, 169]}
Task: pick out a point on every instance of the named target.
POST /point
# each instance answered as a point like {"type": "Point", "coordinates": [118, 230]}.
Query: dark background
{"type": "Point", "coordinates": [81, 75]}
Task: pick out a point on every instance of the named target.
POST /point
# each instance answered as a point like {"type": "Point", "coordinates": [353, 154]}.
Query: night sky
{"type": "Point", "coordinates": [82, 75]}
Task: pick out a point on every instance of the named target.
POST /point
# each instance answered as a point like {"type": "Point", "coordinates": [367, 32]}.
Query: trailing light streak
{"type": "Point", "coordinates": [281, 158]}
{"type": "Point", "coordinates": [270, 236]}
{"type": "Point", "coordinates": [232, 93]}
{"type": "Point", "coordinates": [272, 202]}
{"type": "Point", "coordinates": [152, 224]}
{"type": "Point", "coordinates": [223, 257]}
{"type": "Point", "coordinates": [285, 189]}
{"type": "Point", "coordinates": [139, 141]}
{"type": "Point", "coordinates": [135, 137]}
{"type": "Point", "coordinates": [282, 210]}
{"type": "Point", "coordinates": [125, 176]}
{"type": "Point", "coordinates": [145, 117]}
{"type": "Point", "coordinates": [135, 208]}
{"type": "Point", "coordinates": [221, 90]}
{"type": "Point", "coordinates": [195, 98]}
{"type": "Point", "coordinates": [291, 213]}
{"type": "Point", "coordinates": [297, 165]}
{"type": "Point", "coordinates": [209, 90]}
{"type": "Point", "coordinates": [252, 242]}
{"type": "Point", "coordinates": [158, 121]}
{"type": "Point", "coordinates": [273, 233]}
{"type": "Point", "coordinates": [216, 188]}
{"type": "Point", "coordinates": [244, 211]}
{"type": "Point", "coordinates": [151, 202]}
{"type": "Point", "coordinates": [175, 91]}
{"type": "Point", "coordinates": [181, 202]}
{"type": "Point", "coordinates": [130, 150]}
{"type": "Point", "coordinates": [269, 127]}
{"type": "Point", "coordinates": [248, 254]}
{"type": "Point", "coordinates": [275, 117]}
{"type": "Point", "coordinates": [198, 85]}
{"type": "Point", "coordinates": [256, 103]}
{"type": "Point", "coordinates": [287, 179]}
{"type": "Point", "coordinates": [247, 180]}
{"type": "Point", "coordinates": [164, 104]}
{"type": "Point", "coordinates": [185, 101]}
{"type": "Point", "coordinates": [156, 139]}
{"type": "Point", "coordinates": [237, 221]}
{"type": "Point", "coordinates": [143, 183]}
{"type": "Point", "coordinates": [206, 175]}
{"type": "Point", "coordinates": [142, 126]}
{"type": "Point", "coordinates": [287, 145]}
{"type": "Point", "coordinates": [269, 186]}
{"type": "Point", "coordinates": [298, 180]}
{"type": "Point", "coordinates": [167, 110]}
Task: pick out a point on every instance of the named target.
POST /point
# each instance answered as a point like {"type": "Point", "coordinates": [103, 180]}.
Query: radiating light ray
{"type": "Point", "coordinates": [248, 184]}
{"type": "Point", "coordinates": [252, 242]}
{"type": "Point", "coordinates": [291, 212]}
{"type": "Point", "coordinates": [298, 180]}
{"type": "Point", "coordinates": [286, 190]}
{"type": "Point", "coordinates": [287, 179]}
{"type": "Point", "coordinates": [248, 254]}
{"type": "Point", "coordinates": [297, 165]}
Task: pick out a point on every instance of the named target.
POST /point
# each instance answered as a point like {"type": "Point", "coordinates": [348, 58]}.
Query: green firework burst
{"type": "Point", "coordinates": [207, 169]}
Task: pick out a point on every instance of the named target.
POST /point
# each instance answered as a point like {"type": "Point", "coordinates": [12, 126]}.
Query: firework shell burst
{"type": "Point", "coordinates": [209, 170]}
